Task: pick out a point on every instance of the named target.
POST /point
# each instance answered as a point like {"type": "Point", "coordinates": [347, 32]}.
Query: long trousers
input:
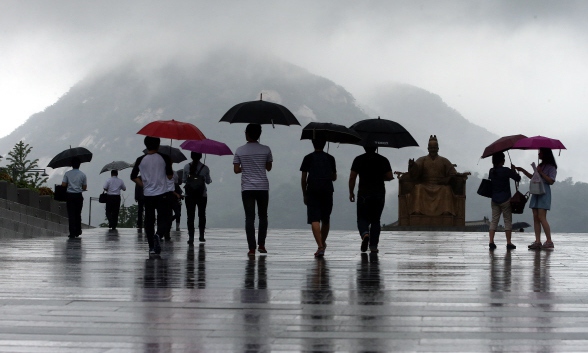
{"type": "Point", "coordinates": [250, 198]}
{"type": "Point", "coordinates": [369, 211]}
{"type": "Point", "coordinates": [74, 204]}
{"type": "Point", "coordinates": [191, 204]}
{"type": "Point", "coordinates": [140, 213]}
{"type": "Point", "coordinates": [112, 209]}
{"type": "Point", "coordinates": [159, 204]}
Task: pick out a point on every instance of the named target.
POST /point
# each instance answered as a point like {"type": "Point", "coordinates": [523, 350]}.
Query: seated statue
{"type": "Point", "coordinates": [432, 177]}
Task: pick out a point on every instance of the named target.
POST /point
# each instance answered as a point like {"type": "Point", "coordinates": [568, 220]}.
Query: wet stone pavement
{"type": "Point", "coordinates": [425, 291]}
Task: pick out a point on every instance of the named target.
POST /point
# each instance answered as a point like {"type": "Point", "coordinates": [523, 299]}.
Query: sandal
{"type": "Point", "coordinates": [535, 245]}
{"type": "Point", "coordinates": [320, 252]}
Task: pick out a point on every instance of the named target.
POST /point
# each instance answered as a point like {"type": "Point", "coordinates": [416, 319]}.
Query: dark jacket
{"type": "Point", "coordinates": [500, 178]}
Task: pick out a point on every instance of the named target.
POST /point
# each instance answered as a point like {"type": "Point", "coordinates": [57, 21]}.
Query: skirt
{"type": "Point", "coordinates": [542, 201]}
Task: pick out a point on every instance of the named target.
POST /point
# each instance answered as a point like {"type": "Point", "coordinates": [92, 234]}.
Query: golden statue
{"type": "Point", "coordinates": [432, 192]}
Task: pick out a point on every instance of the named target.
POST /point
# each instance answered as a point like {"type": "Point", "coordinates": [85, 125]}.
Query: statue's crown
{"type": "Point", "coordinates": [433, 138]}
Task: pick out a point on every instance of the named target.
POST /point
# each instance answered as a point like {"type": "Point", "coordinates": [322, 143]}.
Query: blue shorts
{"type": "Point", "coordinates": [319, 207]}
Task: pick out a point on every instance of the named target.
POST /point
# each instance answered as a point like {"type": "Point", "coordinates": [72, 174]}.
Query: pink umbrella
{"type": "Point", "coordinates": [207, 146]}
{"type": "Point", "coordinates": [537, 142]}
{"type": "Point", "coordinates": [502, 144]}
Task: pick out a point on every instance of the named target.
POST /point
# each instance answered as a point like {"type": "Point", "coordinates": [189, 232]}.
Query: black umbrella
{"type": "Point", "coordinates": [329, 132]}
{"type": "Point", "coordinates": [260, 112]}
{"type": "Point", "coordinates": [116, 165]}
{"type": "Point", "coordinates": [175, 154]}
{"type": "Point", "coordinates": [519, 225]}
{"type": "Point", "coordinates": [383, 133]}
{"type": "Point", "coordinates": [63, 159]}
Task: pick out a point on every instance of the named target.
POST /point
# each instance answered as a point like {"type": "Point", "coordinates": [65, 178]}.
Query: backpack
{"type": "Point", "coordinates": [195, 184]}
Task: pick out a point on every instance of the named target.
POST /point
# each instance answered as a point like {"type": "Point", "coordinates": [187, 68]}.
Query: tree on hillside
{"type": "Point", "coordinates": [21, 168]}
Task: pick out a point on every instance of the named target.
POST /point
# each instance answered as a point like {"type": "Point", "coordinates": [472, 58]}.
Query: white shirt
{"type": "Point", "coordinates": [114, 185]}
{"type": "Point", "coordinates": [154, 170]}
{"type": "Point", "coordinates": [75, 180]}
{"type": "Point", "coordinates": [253, 158]}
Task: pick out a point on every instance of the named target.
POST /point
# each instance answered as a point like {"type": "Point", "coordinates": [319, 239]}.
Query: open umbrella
{"type": "Point", "coordinates": [174, 154]}
{"type": "Point", "coordinates": [520, 225]}
{"type": "Point", "coordinates": [537, 142]}
{"type": "Point", "coordinates": [207, 146]}
{"type": "Point", "coordinates": [172, 129]}
{"type": "Point", "coordinates": [260, 112]}
{"type": "Point", "coordinates": [116, 165]}
{"type": "Point", "coordinates": [63, 159]}
{"type": "Point", "coordinates": [329, 132]}
{"type": "Point", "coordinates": [383, 133]}
{"type": "Point", "coordinates": [502, 144]}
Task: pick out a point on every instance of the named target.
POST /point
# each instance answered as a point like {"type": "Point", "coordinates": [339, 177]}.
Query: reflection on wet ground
{"type": "Point", "coordinates": [422, 292]}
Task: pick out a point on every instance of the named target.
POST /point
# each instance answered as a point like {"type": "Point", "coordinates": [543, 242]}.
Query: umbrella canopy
{"type": "Point", "coordinates": [174, 154]}
{"type": "Point", "coordinates": [502, 144]}
{"type": "Point", "coordinates": [172, 129]}
{"type": "Point", "coordinates": [329, 132]}
{"type": "Point", "coordinates": [519, 225]}
{"type": "Point", "coordinates": [207, 146]}
{"type": "Point", "coordinates": [63, 159]}
{"type": "Point", "coordinates": [260, 112]}
{"type": "Point", "coordinates": [116, 165]}
{"type": "Point", "coordinates": [383, 133]}
{"type": "Point", "coordinates": [537, 142]}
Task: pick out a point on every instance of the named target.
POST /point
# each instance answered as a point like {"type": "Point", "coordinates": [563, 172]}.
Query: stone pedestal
{"type": "Point", "coordinates": [8, 191]}
{"type": "Point", "coordinates": [28, 197]}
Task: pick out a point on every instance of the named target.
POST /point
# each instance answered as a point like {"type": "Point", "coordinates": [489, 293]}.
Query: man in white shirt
{"type": "Point", "coordinates": [156, 170]}
{"type": "Point", "coordinates": [112, 187]}
{"type": "Point", "coordinates": [252, 160]}
{"type": "Point", "coordinates": [76, 183]}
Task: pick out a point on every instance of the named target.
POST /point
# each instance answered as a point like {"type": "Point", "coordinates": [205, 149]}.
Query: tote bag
{"type": "Point", "coordinates": [485, 188]}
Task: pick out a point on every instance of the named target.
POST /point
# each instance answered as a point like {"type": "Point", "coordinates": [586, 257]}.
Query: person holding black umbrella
{"type": "Point", "coordinates": [76, 182]}
{"type": "Point", "coordinates": [112, 187]}
{"type": "Point", "coordinates": [156, 170]}
{"type": "Point", "coordinates": [252, 160]}
{"type": "Point", "coordinates": [318, 173]}
{"type": "Point", "coordinates": [372, 169]}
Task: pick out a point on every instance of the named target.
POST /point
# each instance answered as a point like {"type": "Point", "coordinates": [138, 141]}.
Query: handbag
{"type": "Point", "coordinates": [485, 188]}
{"type": "Point", "coordinates": [102, 198]}
{"type": "Point", "coordinates": [536, 186]}
{"type": "Point", "coordinates": [60, 193]}
{"type": "Point", "coordinates": [518, 200]}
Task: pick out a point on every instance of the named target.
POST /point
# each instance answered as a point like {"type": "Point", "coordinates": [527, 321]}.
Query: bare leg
{"type": "Point", "coordinates": [492, 232]}
{"type": "Point", "coordinates": [325, 233]}
{"type": "Point", "coordinates": [508, 236]}
{"type": "Point", "coordinates": [542, 215]}
{"type": "Point", "coordinates": [316, 231]}
{"type": "Point", "coordinates": [537, 225]}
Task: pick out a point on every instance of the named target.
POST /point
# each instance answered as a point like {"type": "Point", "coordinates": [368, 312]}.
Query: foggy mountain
{"type": "Point", "coordinates": [103, 113]}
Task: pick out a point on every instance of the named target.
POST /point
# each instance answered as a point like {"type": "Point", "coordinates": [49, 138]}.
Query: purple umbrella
{"type": "Point", "coordinates": [207, 146]}
{"type": "Point", "coordinates": [537, 142]}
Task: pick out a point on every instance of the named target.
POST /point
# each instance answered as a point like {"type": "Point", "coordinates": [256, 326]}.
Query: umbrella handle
{"type": "Point", "coordinates": [273, 124]}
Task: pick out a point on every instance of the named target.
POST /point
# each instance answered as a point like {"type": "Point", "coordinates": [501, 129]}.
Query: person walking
{"type": "Point", "coordinates": [196, 196]}
{"type": "Point", "coordinates": [174, 198]}
{"type": "Point", "coordinates": [500, 177]}
{"type": "Point", "coordinates": [76, 183]}
{"type": "Point", "coordinates": [253, 160]}
{"type": "Point", "coordinates": [140, 205]}
{"type": "Point", "coordinates": [372, 169]}
{"type": "Point", "coordinates": [318, 173]}
{"type": "Point", "coordinates": [540, 204]}
{"type": "Point", "coordinates": [112, 187]}
{"type": "Point", "coordinates": [156, 170]}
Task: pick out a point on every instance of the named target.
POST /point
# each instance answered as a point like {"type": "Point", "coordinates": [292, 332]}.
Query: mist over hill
{"type": "Point", "coordinates": [104, 111]}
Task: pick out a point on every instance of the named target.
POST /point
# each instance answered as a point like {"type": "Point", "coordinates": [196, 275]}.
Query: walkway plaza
{"type": "Point", "coordinates": [425, 291]}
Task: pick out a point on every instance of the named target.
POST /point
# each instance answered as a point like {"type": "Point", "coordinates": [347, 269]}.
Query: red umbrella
{"type": "Point", "coordinates": [207, 146]}
{"type": "Point", "coordinates": [537, 142]}
{"type": "Point", "coordinates": [502, 144]}
{"type": "Point", "coordinates": [172, 129]}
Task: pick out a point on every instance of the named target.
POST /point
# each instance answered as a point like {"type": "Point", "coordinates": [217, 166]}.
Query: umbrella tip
{"type": "Point", "coordinates": [378, 117]}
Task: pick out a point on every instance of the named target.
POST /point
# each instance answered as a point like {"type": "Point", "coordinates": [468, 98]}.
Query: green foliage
{"type": "Point", "coordinates": [21, 168]}
{"type": "Point", "coordinates": [127, 217]}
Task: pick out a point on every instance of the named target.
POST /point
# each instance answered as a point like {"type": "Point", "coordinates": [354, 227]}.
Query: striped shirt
{"type": "Point", "coordinates": [253, 157]}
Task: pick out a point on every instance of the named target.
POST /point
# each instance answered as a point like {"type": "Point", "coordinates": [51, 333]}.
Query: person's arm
{"type": "Point", "coordinates": [84, 187]}
{"type": "Point", "coordinates": [105, 187]}
{"type": "Point", "coordinates": [352, 179]}
{"type": "Point", "coordinates": [303, 184]}
{"type": "Point", "coordinates": [135, 173]}
{"type": "Point", "coordinates": [521, 169]}
{"type": "Point", "coordinates": [388, 176]}
{"type": "Point", "coordinates": [545, 177]}
{"type": "Point", "coordinates": [268, 166]}
{"type": "Point", "coordinates": [124, 187]}
{"type": "Point", "coordinates": [334, 166]}
{"type": "Point", "coordinates": [207, 178]}
{"type": "Point", "coordinates": [237, 168]}
{"type": "Point", "coordinates": [169, 172]}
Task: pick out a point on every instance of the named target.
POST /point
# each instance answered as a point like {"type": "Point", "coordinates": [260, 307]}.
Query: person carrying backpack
{"type": "Point", "coordinates": [195, 177]}
{"type": "Point", "coordinates": [318, 173]}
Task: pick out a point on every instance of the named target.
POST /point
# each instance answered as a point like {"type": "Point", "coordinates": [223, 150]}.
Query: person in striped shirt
{"type": "Point", "coordinates": [252, 160]}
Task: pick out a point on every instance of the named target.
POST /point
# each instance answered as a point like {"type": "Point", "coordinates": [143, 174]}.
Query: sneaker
{"type": "Point", "coordinates": [201, 239]}
{"type": "Point", "coordinates": [151, 251]}
{"type": "Point", "coordinates": [365, 242]}
{"type": "Point", "coordinates": [535, 245]}
{"type": "Point", "coordinates": [251, 252]}
{"type": "Point", "coordinates": [492, 246]}
{"type": "Point", "coordinates": [157, 244]}
{"type": "Point", "coordinates": [374, 251]}
{"type": "Point", "coordinates": [262, 249]}
{"type": "Point", "coordinates": [511, 246]}
{"type": "Point", "coordinates": [547, 245]}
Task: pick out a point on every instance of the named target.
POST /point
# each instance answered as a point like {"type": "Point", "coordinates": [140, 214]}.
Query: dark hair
{"type": "Point", "coordinates": [152, 143]}
{"type": "Point", "coordinates": [319, 144]}
{"type": "Point", "coordinates": [497, 159]}
{"type": "Point", "coordinates": [253, 131]}
{"type": "Point", "coordinates": [75, 163]}
{"type": "Point", "coordinates": [196, 156]}
{"type": "Point", "coordinates": [370, 149]}
{"type": "Point", "coordinates": [547, 157]}
{"type": "Point", "coordinates": [114, 172]}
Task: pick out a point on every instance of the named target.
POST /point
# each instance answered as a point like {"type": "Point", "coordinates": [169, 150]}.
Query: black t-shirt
{"type": "Point", "coordinates": [320, 167]}
{"type": "Point", "coordinates": [371, 168]}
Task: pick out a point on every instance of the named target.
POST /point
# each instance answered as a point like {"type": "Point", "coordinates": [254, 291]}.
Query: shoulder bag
{"type": "Point", "coordinates": [518, 200]}
{"type": "Point", "coordinates": [485, 188]}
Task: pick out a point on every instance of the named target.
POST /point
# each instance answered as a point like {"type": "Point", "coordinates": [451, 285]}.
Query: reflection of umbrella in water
{"type": "Point", "coordinates": [174, 154]}
{"type": "Point", "coordinates": [329, 132]}
{"type": "Point", "coordinates": [64, 158]}
{"type": "Point", "coordinates": [383, 133]}
{"type": "Point", "coordinates": [116, 165]}
{"type": "Point", "coordinates": [260, 112]}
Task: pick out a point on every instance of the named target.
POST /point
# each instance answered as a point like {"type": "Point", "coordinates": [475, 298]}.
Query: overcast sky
{"type": "Point", "coordinates": [509, 66]}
